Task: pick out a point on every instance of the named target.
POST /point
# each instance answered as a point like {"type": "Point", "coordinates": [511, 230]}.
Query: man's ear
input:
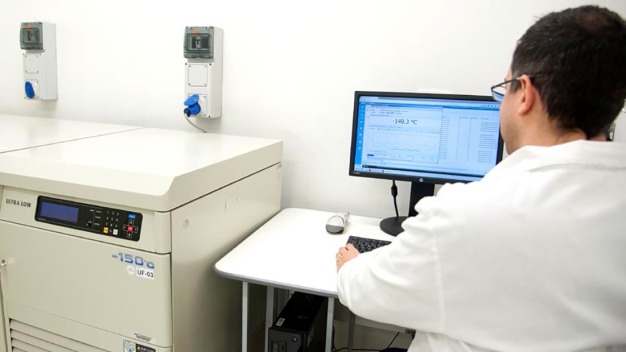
{"type": "Point", "coordinates": [528, 96]}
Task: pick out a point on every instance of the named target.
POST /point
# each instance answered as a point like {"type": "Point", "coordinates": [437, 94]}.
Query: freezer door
{"type": "Point", "coordinates": [117, 289]}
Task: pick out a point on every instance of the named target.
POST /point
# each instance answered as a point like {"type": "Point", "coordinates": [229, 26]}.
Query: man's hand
{"type": "Point", "coordinates": [345, 254]}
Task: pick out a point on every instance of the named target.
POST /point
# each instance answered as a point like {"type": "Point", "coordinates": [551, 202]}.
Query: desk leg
{"type": "Point", "coordinates": [330, 317]}
{"type": "Point", "coordinates": [351, 331]}
{"type": "Point", "coordinates": [244, 317]}
{"type": "Point", "coordinates": [269, 314]}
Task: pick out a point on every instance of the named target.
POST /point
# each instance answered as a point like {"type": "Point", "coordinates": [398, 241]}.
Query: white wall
{"type": "Point", "coordinates": [290, 70]}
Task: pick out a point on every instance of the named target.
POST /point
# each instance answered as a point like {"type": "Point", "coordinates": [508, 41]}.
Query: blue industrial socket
{"type": "Point", "coordinates": [29, 90]}
{"type": "Point", "coordinates": [192, 106]}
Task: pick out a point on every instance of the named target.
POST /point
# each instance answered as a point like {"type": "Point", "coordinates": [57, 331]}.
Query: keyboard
{"type": "Point", "coordinates": [363, 244]}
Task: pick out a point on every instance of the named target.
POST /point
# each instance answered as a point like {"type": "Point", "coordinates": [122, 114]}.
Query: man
{"type": "Point", "coordinates": [532, 257]}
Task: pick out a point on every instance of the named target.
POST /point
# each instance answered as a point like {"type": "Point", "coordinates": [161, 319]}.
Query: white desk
{"type": "Point", "coordinates": [293, 251]}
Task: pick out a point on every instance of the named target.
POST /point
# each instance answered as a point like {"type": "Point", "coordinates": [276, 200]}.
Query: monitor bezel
{"type": "Point", "coordinates": [420, 179]}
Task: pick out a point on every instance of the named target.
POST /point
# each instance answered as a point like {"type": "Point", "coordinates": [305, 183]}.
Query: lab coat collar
{"type": "Point", "coordinates": [584, 153]}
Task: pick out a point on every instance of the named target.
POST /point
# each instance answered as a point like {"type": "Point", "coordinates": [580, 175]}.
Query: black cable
{"type": "Point", "coordinates": [362, 349]}
{"type": "Point", "coordinates": [394, 193]}
{"type": "Point", "coordinates": [394, 338]}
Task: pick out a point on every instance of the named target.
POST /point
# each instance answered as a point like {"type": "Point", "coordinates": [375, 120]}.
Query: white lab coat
{"type": "Point", "coordinates": [531, 258]}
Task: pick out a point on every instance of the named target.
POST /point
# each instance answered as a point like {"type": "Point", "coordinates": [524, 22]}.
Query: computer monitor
{"type": "Point", "coordinates": [426, 139]}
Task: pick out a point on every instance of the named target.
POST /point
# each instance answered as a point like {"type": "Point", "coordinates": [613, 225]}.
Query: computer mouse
{"type": "Point", "coordinates": [336, 224]}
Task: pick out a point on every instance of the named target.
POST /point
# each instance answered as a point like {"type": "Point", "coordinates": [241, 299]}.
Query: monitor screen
{"type": "Point", "coordinates": [425, 138]}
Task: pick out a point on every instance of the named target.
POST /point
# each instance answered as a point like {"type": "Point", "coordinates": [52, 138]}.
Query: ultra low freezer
{"type": "Point", "coordinates": [110, 241]}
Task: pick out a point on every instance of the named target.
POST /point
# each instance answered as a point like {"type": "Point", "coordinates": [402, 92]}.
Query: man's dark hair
{"type": "Point", "coordinates": [576, 58]}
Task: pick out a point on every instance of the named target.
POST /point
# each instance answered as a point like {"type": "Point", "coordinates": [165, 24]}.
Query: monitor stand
{"type": "Point", "coordinates": [419, 190]}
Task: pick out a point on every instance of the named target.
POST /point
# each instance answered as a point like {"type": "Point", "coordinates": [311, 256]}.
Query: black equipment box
{"type": "Point", "coordinates": [300, 326]}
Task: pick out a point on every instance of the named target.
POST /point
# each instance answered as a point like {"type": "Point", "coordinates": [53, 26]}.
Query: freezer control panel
{"type": "Point", "coordinates": [104, 221]}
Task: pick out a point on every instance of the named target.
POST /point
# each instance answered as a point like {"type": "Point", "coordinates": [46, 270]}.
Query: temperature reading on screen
{"type": "Point", "coordinates": [405, 122]}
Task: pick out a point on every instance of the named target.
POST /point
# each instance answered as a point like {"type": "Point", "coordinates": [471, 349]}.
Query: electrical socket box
{"type": "Point", "coordinates": [38, 40]}
{"type": "Point", "coordinates": [203, 71]}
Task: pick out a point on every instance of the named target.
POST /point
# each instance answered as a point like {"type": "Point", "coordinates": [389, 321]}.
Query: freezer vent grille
{"type": "Point", "coordinates": [27, 338]}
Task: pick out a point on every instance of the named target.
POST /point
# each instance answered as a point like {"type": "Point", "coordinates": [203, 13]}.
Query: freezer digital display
{"type": "Point", "coordinates": [59, 212]}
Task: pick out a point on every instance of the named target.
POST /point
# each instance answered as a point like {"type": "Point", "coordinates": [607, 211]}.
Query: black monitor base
{"type": "Point", "coordinates": [419, 190]}
{"type": "Point", "coordinates": [392, 226]}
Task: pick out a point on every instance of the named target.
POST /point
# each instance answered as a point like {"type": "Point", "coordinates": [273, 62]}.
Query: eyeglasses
{"type": "Point", "coordinates": [498, 91]}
